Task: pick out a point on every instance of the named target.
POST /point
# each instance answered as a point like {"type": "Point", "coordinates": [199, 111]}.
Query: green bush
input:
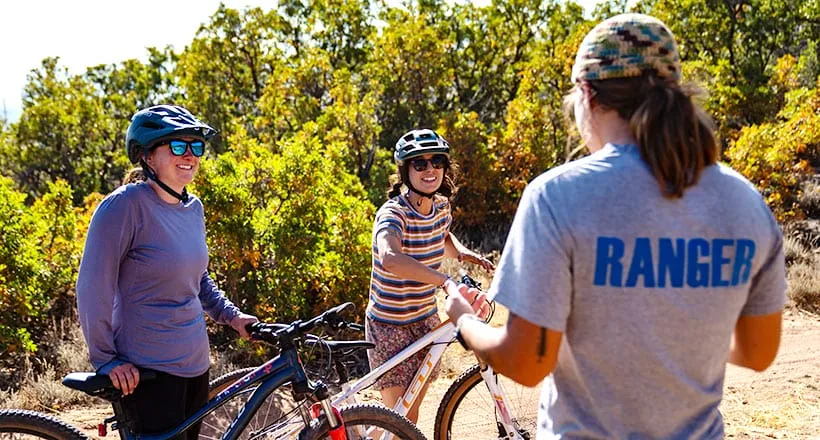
{"type": "Point", "coordinates": [38, 262]}
{"type": "Point", "coordinates": [288, 232]}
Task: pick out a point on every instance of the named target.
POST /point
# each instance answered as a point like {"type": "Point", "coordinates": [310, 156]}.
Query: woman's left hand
{"type": "Point", "coordinates": [472, 257]}
{"type": "Point", "coordinates": [240, 321]}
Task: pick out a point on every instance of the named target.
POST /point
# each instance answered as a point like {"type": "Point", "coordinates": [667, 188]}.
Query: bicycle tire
{"type": "Point", "coordinates": [221, 383]}
{"type": "Point", "coordinates": [20, 424]}
{"type": "Point", "coordinates": [272, 411]}
{"type": "Point", "coordinates": [467, 410]}
{"type": "Point", "coordinates": [364, 415]}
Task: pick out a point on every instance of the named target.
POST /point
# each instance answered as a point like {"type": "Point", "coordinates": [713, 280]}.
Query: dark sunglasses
{"type": "Point", "coordinates": [179, 146]}
{"type": "Point", "coordinates": [420, 164]}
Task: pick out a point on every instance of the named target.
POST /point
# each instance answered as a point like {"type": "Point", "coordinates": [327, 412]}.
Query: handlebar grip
{"type": "Point", "coordinates": [253, 326]}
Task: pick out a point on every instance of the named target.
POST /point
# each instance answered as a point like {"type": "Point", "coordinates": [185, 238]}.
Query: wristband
{"type": "Point", "coordinates": [460, 321]}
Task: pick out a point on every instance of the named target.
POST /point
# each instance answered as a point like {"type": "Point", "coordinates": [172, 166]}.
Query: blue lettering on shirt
{"type": "Point", "coordinates": [641, 264]}
{"type": "Point", "coordinates": [673, 262]}
{"type": "Point", "coordinates": [609, 252]}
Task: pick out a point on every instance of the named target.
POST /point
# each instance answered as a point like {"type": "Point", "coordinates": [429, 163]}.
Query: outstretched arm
{"type": "Point", "coordinates": [454, 249]}
{"type": "Point", "coordinates": [396, 262]}
{"type": "Point", "coordinates": [520, 350]}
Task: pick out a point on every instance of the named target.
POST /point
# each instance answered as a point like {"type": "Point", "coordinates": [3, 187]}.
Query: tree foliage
{"type": "Point", "coordinates": [309, 99]}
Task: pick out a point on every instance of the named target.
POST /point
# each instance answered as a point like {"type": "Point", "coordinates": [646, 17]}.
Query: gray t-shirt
{"type": "Point", "coordinates": [646, 290]}
{"type": "Point", "coordinates": [143, 284]}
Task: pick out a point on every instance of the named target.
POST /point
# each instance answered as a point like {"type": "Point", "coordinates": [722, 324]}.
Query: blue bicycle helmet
{"type": "Point", "coordinates": [419, 142]}
{"type": "Point", "coordinates": [161, 122]}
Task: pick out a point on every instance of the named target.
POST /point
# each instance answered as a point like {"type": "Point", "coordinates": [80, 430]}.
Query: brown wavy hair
{"type": "Point", "coordinates": [134, 175]}
{"type": "Point", "coordinates": [675, 135]}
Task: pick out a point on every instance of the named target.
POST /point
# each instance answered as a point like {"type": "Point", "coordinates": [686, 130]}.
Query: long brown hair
{"type": "Point", "coordinates": [448, 187]}
{"type": "Point", "coordinates": [674, 134]}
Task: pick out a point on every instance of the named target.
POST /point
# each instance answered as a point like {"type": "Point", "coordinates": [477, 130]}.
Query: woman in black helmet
{"type": "Point", "coordinates": [411, 236]}
{"type": "Point", "coordinates": [143, 281]}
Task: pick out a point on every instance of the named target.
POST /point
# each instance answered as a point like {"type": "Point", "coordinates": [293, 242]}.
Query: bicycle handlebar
{"type": "Point", "coordinates": [467, 280]}
{"type": "Point", "coordinates": [283, 334]}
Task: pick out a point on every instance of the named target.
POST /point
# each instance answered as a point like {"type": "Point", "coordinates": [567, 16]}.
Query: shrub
{"type": "Point", "coordinates": [777, 156]}
{"type": "Point", "coordinates": [288, 232]}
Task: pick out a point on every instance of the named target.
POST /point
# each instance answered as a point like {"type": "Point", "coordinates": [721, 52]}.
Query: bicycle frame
{"type": "Point", "coordinates": [439, 338]}
{"type": "Point", "coordinates": [273, 374]}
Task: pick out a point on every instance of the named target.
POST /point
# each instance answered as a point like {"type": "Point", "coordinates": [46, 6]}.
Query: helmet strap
{"type": "Point", "coordinates": [405, 177]}
{"type": "Point", "coordinates": [151, 174]}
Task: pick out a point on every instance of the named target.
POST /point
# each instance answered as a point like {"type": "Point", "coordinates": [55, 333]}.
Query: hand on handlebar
{"type": "Point", "coordinates": [239, 323]}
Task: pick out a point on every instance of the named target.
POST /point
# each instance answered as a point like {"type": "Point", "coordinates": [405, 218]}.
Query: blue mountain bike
{"type": "Point", "coordinates": [312, 415]}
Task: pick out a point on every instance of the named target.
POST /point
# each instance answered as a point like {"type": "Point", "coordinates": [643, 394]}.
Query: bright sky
{"type": "Point", "coordinates": [87, 33]}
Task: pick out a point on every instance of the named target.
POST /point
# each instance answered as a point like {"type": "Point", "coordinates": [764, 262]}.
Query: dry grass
{"type": "Point", "coordinates": [796, 251]}
{"type": "Point", "coordinates": [41, 387]}
{"type": "Point", "coordinates": [809, 198]}
{"type": "Point", "coordinates": [804, 284]}
{"type": "Point", "coordinates": [803, 273]}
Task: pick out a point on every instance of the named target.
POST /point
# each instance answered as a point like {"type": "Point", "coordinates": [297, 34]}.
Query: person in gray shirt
{"type": "Point", "coordinates": [143, 282]}
{"type": "Point", "coordinates": [635, 274]}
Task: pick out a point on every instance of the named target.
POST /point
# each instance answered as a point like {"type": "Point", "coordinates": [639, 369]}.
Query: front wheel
{"type": "Point", "coordinates": [467, 409]}
{"type": "Point", "coordinates": [362, 421]}
{"type": "Point", "coordinates": [18, 424]}
{"type": "Point", "coordinates": [273, 411]}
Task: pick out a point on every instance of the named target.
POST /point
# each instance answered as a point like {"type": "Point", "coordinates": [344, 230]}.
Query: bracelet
{"type": "Point", "coordinates": [460, 321]}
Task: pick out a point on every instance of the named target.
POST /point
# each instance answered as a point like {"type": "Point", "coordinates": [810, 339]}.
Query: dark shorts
{"type": "Point", "coordinates": [161, 403]}
{"type": "Point", "coordinates": [391, 339]}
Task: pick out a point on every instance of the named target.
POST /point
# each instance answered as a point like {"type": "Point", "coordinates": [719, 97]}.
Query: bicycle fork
{"type": "Point", "coordinates": [507, 426]}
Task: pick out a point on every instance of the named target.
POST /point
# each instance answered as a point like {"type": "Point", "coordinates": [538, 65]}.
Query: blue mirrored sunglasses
{"type": "Point", "coordinates": [178, 147]}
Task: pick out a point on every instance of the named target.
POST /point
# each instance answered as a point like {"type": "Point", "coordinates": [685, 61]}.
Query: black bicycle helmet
{"type": "Point", "coordinates": [160, 122]}
{"type": "Point", "coordinates": [419, 142]}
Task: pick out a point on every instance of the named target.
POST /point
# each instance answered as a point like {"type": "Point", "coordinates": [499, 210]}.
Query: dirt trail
{"type": "Point", "coordinates": [781, 403]}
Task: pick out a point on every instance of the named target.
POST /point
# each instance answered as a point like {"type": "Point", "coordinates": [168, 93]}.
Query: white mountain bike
{"type": "Point", "coordinates": [480, 404]}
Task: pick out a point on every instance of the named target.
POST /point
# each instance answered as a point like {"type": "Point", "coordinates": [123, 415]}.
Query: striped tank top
{"type": "Point", "coordinates": [394, 300]}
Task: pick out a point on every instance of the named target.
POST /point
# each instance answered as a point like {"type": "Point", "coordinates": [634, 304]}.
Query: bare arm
{"type": "Point", "coordinates": [402, 265]}
{"type": "Point", "coordinates": [755, 341]}
{"type": "Point", "coordinates": [520, 350]}
{"type": "Point", "coordinates": [454, 249]}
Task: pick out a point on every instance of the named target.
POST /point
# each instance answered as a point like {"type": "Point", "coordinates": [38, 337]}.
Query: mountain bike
{"type": "Point", "coordinates": [500, 408]}
{"type": "Point", "coordinates": [313, 416]}
{"type": "Point", "coordinates": [324, 357]}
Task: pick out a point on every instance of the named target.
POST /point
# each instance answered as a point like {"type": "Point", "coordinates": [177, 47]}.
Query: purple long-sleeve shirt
{"type": "Point", "coordinates": [143, 284]}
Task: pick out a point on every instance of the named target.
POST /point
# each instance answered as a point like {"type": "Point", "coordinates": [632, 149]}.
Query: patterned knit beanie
{"type": "Point", "coordinates": [627, 45]}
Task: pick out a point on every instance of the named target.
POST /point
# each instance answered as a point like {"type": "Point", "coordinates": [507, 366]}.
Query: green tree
{"type": "Point", "coordinates": [409, 67]}
{"type": "Point", "coordinates": [64, 133]}
{"type": "Point", "coordinates": [288, 232]}
{"type": "Point", "coordinates": [223, 73]}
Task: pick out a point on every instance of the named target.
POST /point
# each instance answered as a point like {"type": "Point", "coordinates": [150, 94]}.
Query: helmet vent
{"type": "Point", "coordinates": [151, 125]}
{"type": "Point", "coordinates": [429, 144]}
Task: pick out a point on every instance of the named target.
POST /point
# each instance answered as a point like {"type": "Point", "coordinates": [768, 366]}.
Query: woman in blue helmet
{"type": "Point", "coordinates": [143, 282]}
{"type": "Point", "coordinates": [411, 237]}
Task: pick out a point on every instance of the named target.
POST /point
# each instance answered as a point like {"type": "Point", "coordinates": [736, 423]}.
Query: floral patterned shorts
{"type": "Point", "coordinates": [391, 339]}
